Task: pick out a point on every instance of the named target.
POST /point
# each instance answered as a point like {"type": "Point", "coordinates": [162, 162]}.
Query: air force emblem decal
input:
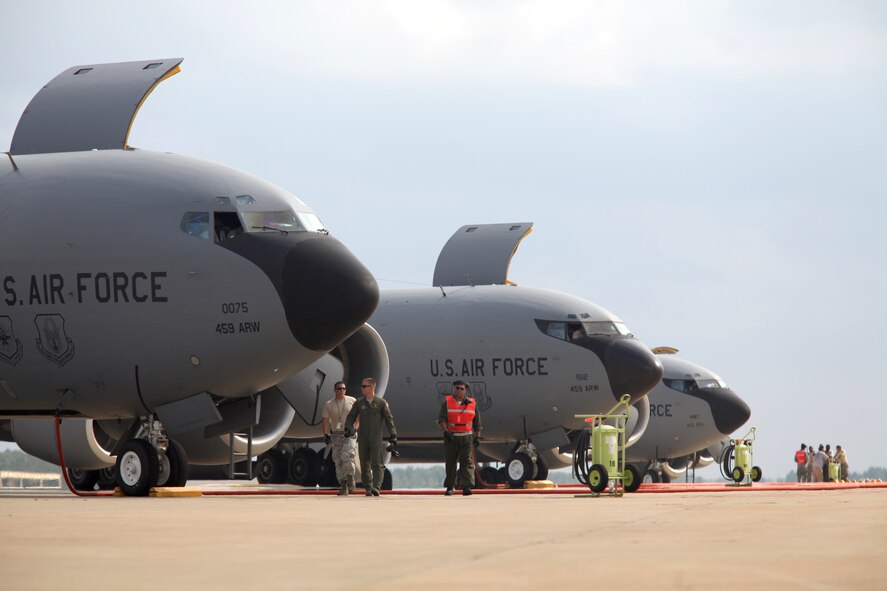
{"type": "Point", "coordinates": [10, 347]}
{"type": "Point", "coordinates": [52, 341]}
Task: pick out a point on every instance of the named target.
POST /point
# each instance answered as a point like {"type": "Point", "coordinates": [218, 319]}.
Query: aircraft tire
{"type": "Point", "coordinates": [271, 467]}
{"type": "Point", "coordinates": [598, 478]}
{"type": "Point", "coordinates": [173, 466]}
{"type": "Point", "coordinates": [631, 479]}
{"type": "Point", "coordinates": [328, 472]}
{"type": "Point", "coordinates": [756, 473]}
{"type": "Point", "coordinates": [541, 469]}
{"type": "Point", "coordinates": [651, 477]}
{"type": "Point", "coordinates": [107, 478]}
{"type": "Point", "coordinates": [502, 475]}
{"type": "Point", "coordinates": [83, 479]}
{"type": "Point", "coordinates": [518, 469]}
{"type": "Point", "coordinates": [137, 468]}
{"type": "Point", "coordinates": [489, 475]}
{"type": "Point", "coordinates": [304, 467]}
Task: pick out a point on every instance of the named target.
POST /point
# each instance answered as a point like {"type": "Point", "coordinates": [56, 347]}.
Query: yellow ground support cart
{"type": "Point", "coordinates": [834, 471]}
{"type": "Point", "coordinates": [739, 459]}
{"type": "Point", "coordinates": [606, 467]}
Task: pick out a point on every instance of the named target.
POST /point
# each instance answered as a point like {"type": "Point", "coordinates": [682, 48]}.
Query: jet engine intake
{"type": "Point", "coordinates": [360, 356]}
{"type": "Point", "coordinates": [275, 415]}
{"type": "Point", "coordinates": [638, 419]}
{"type": "Point", "coordinates": [80, 442]}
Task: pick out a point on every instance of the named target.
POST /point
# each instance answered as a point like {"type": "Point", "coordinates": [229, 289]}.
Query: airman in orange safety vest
{"type": "Point", "coordinates": [459, 420]}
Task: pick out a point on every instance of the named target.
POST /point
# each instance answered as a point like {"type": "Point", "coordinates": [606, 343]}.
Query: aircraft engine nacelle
{"type": "Point", "coordinates": [703, 459]}
{"type": "Point", "coordinates": [83, 443]}
{"type": "Point", "coordinates": [275, 416]}
{"type": "Point", "coordinates": [675, 467]}
{"type": "Point", "coordinates": [361, 355]}
{"type": "Point", "coordinates": [638, 419]}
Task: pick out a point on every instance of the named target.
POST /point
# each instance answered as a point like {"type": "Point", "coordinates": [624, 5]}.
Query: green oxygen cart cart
{"type": "Point", "coordinates": [606, 467]}
{"type": "Point", "coordinates": [738, 464]}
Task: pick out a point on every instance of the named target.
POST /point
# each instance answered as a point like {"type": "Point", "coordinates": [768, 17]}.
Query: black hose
{"type": "Point", "coordinates": [725, 462]}
{"type": "Point", "coordinates": [580, 457]}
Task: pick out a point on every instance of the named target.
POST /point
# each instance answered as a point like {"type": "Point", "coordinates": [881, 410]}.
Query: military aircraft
{"type": "Point", "coordinates": [533, 359]}
{"type": "Point", "coordinates": [144, 294]}
{"type": "Point", "coordinates": [692, 414]}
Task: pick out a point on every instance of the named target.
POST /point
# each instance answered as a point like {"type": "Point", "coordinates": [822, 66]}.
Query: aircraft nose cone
{"type": "Point", "coordinates": [728, 410]}
{"type": "Point", "coordinates": [631, 367]}
{"type": "Point", "coordinates": [326, 292]}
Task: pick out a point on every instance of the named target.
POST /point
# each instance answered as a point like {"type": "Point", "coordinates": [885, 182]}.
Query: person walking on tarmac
{"type": "Point", "coordinates": [819, 462]}
{"type": "Point", "coordinates": [810, 454]}
{"type": "Point", "coordinates": [841, 458]}
{"type": "Point", "coordinates": [460, 422]}
{"type": "Point", "coordinates": [801, 461]}
{"type": "Point", "coordinates": [344, 448]}
{"type": "Point", "coordinates": [372, 412]}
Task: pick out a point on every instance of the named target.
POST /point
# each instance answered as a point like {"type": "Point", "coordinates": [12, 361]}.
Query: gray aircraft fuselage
{"type": "Point", "coordinates": [118, 294]}
{"type": "Point", "coordinates": [691, 409]}
{"type": "Point", "coordinates": [516, 348]}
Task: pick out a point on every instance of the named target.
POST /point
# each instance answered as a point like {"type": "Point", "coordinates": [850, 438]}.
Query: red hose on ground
{"type": "Point", "coordinates": [79, 493]}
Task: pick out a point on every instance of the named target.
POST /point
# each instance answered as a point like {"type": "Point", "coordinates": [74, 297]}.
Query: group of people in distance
{"type": "Point", "coordinates": [813, 466]}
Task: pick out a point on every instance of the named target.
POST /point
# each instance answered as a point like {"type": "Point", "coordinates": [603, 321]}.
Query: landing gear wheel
{"type": "Point", "coordinates": [738, 474]}
{"type": "Point", "coordinates": [631, 479]}
{"type": "Point", "coordinates": [387, 480]}
{"type": "Point", "coordinates": [83, 479]}
{"type": "Point", "coordinates": [756, 473]}
{"type": "Point", "coordinates": [664, 478]}
{"type": "Point", "coordinates": [137, 468]}
{"type": "Point", "coordinates": [502, 475]}
{"type": "Point", "coordinates": [597, 478]}
{"type": "Point", "coordinates": [541, 470]}
{"type": "Point", "coordinates": [651, 477]}
{"type": "Point", "coordinates": [107, 478]}
{"type": "Point", "coordinates": [304, 467]}
{"type": "Point", "coordinates": [271, 467]}
{"type": "Point", "coordinates": [173, 466]}
{"type": "Point", "coordinates": [518, 469]}
{"type": "Point", "coordinates": [328, 472]}
{"type": "Point", "coordinates": [489, 475]}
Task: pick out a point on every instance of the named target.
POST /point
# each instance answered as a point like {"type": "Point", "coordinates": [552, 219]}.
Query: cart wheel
{"type": "Point", "coordinates": [631, 479]}
{"type": "Point", "coordinates": [738, 474]}
{"type": "Point", "coordinates": [756, 473]}
{"type": "Point", "coordinates": [597, 478]}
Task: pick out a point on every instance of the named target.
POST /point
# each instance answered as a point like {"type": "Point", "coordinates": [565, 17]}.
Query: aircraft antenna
{"type": "Point", "coordinates": [442, 291]}
{"type": "Point", "coordinates": [12, 160]}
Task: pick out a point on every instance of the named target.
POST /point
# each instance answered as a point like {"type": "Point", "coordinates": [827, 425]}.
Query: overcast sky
{"type": "Point", "coordinates": [715, 173]}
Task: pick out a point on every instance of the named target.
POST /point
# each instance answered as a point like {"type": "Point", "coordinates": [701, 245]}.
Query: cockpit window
{"type": "Point", "coordinates": [227, 225]}
{"type": "Point", "coordinates": [244, 200]}
{"type": "Point", "coordinates": [311, 222]}
{"type": "Point", "coordinates": [557, 330]}
{"type": "Point", "coordinates": [690, 385]}
{"type": "Point", "coordinates": [272, 221]}
{"type": "Point", "coordinates": [196, 223]}
{"type": "Point", "coordinates": [606, 327]}
{"type": "Point", "coordinates": [568, 331]}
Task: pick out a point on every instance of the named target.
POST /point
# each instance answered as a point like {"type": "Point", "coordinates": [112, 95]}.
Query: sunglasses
{"type": "Point", "coordinates": [340, 388]}
{"type": "Point", "coordinates": [365, 385]}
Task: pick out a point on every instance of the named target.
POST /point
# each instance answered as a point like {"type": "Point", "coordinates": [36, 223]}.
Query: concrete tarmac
{"type": "Point", "coordinates": [765, 540]}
